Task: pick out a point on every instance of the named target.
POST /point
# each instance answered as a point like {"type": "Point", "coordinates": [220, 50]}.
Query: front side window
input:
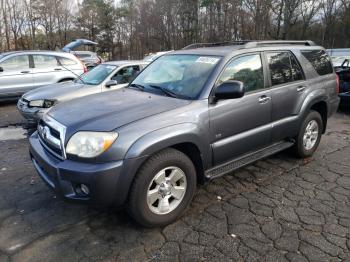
{"type": "Point", "coordinates": [98, 74]}
{"type": "Point", "coordinates": [319, 60]}
{"type": "Point", "coordinates": [126, 74]}
{"type": "Point", "coordinates": [15, 63]}
{"type": "Point", "coordinates": [182, 76]}
{"type": "Point", "coordinates": [44, 61]}
{"type": "Point", "coordinates": [247, 69]}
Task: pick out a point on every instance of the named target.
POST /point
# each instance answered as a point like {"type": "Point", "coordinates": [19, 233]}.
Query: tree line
{"type": "Point", "coordinates": [132, 28]}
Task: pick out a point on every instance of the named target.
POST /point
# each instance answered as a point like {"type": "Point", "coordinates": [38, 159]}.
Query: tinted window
{"type": "Point", "coordinates": [16, 63]}
{"type": "Point", "coordinates": [65, 61]}
{"type": "Point", "coordinates": [247, 69]}
{"type": "Point", "coordinates": [44, 61]}
{"type": "Point", "coordinates": [280, 68]}
{"type": "Point", "coordinates": [296, 69]}
{"type": "Point", "coordinates": [319, 60]}
{"type": "Point", "coordinates": [126, 74]}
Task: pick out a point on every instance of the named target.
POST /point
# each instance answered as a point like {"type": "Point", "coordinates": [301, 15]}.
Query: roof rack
{"type": "Point", "coordinates": [251, 43]}
{"type": "Point", "coordinates": [226, 43]}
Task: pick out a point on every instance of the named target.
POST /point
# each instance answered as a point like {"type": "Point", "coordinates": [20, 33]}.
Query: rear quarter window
{"type": "Point", "coordinates": [319, 60]}
{"type": "Point", "coordinates": [66, 61]}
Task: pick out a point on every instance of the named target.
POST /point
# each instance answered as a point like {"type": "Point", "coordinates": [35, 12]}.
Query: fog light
{"type": "Point", "coordinates": [85, 189]}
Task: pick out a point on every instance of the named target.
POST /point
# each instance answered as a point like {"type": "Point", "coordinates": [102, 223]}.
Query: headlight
{"type": "Point", "coordinates": [41, 103]}
{"type": "Point", "coordinates": [90, 144]}
{"type": "Point", "coordinates": [36, 103]}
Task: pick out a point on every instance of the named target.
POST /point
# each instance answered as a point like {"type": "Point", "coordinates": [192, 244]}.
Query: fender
{"type": "Point", "coordinates": [166, 137]}
{"type": "Point", "coordinates": [314, 97]}
{"type": "Point", "coordinates": [318, 95]}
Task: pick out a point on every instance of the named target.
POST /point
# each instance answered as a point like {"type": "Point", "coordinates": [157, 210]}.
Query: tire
{"type": "Point", "coordinates": [302, 149]}
{"type": "Point", "coordinates": [148, 192]}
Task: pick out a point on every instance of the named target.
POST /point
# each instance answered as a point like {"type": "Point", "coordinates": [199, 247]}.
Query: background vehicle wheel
{"type": "Point", "coordinates": [309, 135]}
{"type": "Point", "coordinates": [163, 188]}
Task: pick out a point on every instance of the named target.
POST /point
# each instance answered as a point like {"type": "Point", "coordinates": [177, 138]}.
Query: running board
{"type": "Point", "coordinates": [246, 159]}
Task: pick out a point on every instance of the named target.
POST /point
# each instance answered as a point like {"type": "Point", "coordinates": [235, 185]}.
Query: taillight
{"type": "Point", "coordinates": [82, 63]}
{"type": "Point", "coordinates": [338, 84]}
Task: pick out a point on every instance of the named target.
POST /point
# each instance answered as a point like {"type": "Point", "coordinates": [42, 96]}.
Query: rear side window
{"type": "Point", "coordinates": [66, 61]}
{"type": "Point", "coordinates": [284, 68]}
{"type": "Point", "coordinates": [280, 68]}
{"type": "Point", "coordinates": [44, 61]}
{"type": "Point", "coordinates": [319, 60]}
{"type": "Point", "coordinates": [296, 69]}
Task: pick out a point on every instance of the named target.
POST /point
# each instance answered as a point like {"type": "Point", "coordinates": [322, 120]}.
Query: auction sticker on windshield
{"type": "Point", "coordinates": [208, 60]}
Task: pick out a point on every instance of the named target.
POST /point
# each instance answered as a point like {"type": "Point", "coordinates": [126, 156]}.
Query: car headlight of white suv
{"type": "Point", "coordinates": [90, 144]}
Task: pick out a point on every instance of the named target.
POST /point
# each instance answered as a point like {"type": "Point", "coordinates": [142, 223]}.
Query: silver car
{"type": "Point", "coordinates": [22, 71]}
{"type": "Point", "coordinates": [104, 77]}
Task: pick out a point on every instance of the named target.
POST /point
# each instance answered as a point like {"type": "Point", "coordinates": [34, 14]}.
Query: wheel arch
{"type": "Point", "coordinates": [184, 137]}
{"type": "Point", "coordinates": [316, 101]}
{"type": "Point", "coordinates": [65, 79]}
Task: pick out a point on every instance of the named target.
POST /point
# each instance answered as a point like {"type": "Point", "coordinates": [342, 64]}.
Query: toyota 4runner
{"type": "Point", "coordinates": [191, 116]}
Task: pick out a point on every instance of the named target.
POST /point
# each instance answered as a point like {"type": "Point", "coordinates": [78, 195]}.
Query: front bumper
{"type": "Point", "coordinates": [31, 114]}
{"type": "Point", "coordinates": [108, 183]}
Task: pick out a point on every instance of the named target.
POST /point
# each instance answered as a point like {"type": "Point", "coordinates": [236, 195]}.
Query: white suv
{"type": "Point", "coordinates": [22, 71]}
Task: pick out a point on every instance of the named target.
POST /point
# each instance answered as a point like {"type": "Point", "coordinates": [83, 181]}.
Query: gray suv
{"type": "Point", "coordinates": [21, 71]}
{"type": "Point", "coordinates": [191, 116]}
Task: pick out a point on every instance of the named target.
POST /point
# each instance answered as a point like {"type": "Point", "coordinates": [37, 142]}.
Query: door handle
{"type": "Point", "coordinates": [58, 69]}
{"type": "Point", "coordinates": [264, 99]}
{"type": "Point", "coordinates": [301, 88]}
{"type": "Point", "coordinates": [25, 72]}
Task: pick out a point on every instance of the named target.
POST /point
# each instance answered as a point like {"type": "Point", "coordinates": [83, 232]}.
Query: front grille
{"type": "Point", "coordinates": [51, 135]}
{"type": "Point", "coordinates": [23, 102]}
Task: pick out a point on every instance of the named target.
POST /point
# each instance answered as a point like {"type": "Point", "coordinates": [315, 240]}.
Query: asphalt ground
{"type": "Point", "coordinates": [278, 209]}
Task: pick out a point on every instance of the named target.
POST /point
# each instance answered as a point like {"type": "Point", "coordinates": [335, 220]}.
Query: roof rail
{"type": "Point", "coordinates": [226, 43]}
{"type": "Point", "coordinates": [253, 44]}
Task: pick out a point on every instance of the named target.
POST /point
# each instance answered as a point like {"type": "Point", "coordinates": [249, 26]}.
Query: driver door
{"type": "Point", "coordinates": [239, 126]}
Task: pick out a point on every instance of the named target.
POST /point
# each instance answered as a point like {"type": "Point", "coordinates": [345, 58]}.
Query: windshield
{"type": "Point", "coordinates": [338, 60]}
{"type": "Point", "coordinates": [182, 75]}
{"type": "Point", "coordinates": [97, 75]}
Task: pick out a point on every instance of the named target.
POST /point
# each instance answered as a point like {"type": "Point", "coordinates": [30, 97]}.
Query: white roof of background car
{"type": "Point", "coordinates": [33, 52]}
{"type": "Point", "coordinates": [126, 62]}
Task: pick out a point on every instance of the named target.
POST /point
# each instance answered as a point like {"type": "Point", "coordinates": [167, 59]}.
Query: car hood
{"type": "Point", "coordinates": [110, 110]}
{"type": "Point", "coordinates": [61, 91]}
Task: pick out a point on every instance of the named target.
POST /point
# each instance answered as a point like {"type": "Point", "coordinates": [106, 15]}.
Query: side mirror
{"type": "Point", "coordinates": [111, 83]}
{"type": "Point", "coordinates": [229, 90]}
{"type": "Point", "coordinates": [1, 69]}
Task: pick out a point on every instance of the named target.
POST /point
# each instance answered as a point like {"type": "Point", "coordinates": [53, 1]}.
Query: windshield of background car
{"type": "Point", "coordinates": [182, 75]}
{"type": "Point", "coordinates": [338, 56]}
{"type": "Point", "coordinates": [98, 74]}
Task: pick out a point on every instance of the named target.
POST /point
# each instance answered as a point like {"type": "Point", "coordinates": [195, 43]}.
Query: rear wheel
{"type": "Point", "coordinates": [163, 188]}
{"type": "Point", "coordinates": [309, 135]}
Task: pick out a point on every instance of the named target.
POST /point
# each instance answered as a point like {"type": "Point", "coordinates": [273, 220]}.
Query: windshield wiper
{"type": "Point", "coordinates": [141, 87]}
{"type": "Point", "coordinates": [165, 91]}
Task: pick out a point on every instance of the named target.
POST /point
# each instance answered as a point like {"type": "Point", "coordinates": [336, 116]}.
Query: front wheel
{"type": "Point", "coordinates": [309, 135]}
{"type": "Point", "coordinates": [163, 188]}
